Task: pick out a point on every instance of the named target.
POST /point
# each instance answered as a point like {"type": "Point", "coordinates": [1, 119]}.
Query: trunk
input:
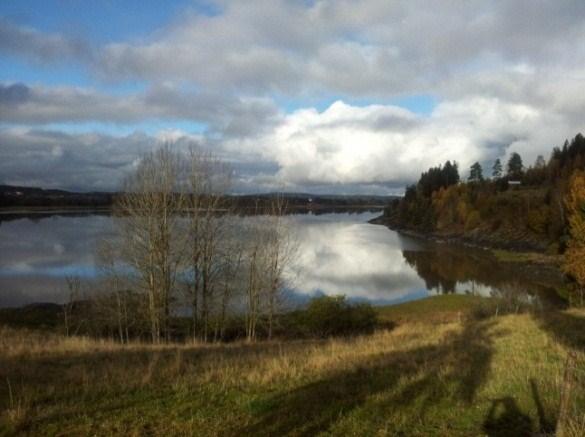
{"type": "Point", "coordinates": [250, 329]}
{"type": "Point", "coordinates": [566, 394]}
{"type": "Point", "coordinates": [119, 314]}
{"type": "Point", "coordinates": [272, 301]}
{"type": "Point", "coordinates": [152, 308]}
{"type": "Point", "coordinates": [66, 320]}
{"type": "Point", "coordinates": [194, 307]}
{"type": "Point", "coordinates": [224, 303]}
{"type": "Point", "coordinates": [204, 307]}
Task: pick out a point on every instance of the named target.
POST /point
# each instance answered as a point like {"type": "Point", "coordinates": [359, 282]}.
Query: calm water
{"type": "Point", "coordinates": [337, 254]}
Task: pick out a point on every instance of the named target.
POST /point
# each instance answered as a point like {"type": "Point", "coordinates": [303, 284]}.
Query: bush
{"type": "Point", "coordinates": [473, 221]}
{"type": "Point", "coordinates": [333, 316]}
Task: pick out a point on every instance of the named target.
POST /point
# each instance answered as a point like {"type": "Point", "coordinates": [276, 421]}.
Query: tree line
{"type": "Point", "coordinates": [537, 207]}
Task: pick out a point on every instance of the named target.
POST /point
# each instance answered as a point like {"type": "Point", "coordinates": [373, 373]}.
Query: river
{"type": "Point", "coordinates": [337, 253]}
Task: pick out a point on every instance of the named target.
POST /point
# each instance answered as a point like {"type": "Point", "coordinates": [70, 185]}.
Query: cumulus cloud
{"type": "Point", "coordinates": [507, 76]}
{"type": "Point", "coordinates": [388, 145]}
{"type": "Point", "coordinates": [229, 115]}
{"type": "Point", "coordinates": [369, 47]}
{"type": "Point", "coordinates": [73, 161]}
{"type": "Point", "coordinates": [78, 161]}
{"type": "Point", "coordinates": [41, 47]}
{"type": "Point", "coordinates": [345, 148]}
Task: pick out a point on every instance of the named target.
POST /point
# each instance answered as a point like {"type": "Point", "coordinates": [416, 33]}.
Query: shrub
{"type": "Point", "coordinates": [332, 316]}
{"type": "Point", "coordinates": [473, 221]}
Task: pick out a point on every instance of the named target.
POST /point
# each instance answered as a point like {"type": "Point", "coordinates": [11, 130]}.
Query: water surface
{"type": "Point", "coordinates": [337, 254]}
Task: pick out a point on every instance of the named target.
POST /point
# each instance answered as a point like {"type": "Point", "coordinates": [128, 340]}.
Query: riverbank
{"type": "Point", "coordinates": [521, 252]}
{"type": "Point", "coordinates": [434, 374]}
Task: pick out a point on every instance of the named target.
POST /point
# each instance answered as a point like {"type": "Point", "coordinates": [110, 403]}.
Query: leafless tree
{"type": "Point", "coordinates": [148, 215]}
{"type": "Point", "coordinates": [209, 179]}
{"type": "Point", "coordinates": [280, 250]}
{"type": "Point", "coordinates": [179, 244]}
{"type": "Point", "coordinates": [114, 303]}
{"type": "Point", "coordinates": [73, 295]}
{"type": "Point", "coordinates": [270, 249]}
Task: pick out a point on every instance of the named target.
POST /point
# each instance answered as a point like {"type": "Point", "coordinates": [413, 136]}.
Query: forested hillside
{"type": "Point", "coordinates": [508, 205]}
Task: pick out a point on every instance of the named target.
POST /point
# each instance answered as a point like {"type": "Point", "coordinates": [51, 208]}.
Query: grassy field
{"type": "Point", "coordinates": [438, 372]}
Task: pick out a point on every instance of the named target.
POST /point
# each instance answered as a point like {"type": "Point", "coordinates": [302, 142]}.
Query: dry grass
{"type": "Point", "coordinates": [453, 378]}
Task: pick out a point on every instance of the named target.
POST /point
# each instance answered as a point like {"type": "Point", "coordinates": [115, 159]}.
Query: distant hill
{"type": "Point", "coordinates": [314, 200]}
{"type": "Point", "coordinates": [15, 196]}
{"type": "Point", "coordinates": [11, 196]}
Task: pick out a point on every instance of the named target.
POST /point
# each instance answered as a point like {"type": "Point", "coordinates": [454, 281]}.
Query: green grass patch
{"type": "Point", "coordinates": [434, 309]}
{"type": "Point", "coordinates": [496, 376]}
{"type": "Point", "coordinates": [525, 257]}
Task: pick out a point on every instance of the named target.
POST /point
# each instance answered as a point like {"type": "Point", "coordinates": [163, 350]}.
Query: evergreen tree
{"type": "Point", "coordinates": [540, 162]}
{"type": "Point", "coordinates": [476, 173]}
{"type": "Point", "coordinates": [515, 166]}
{"type": "Point", "coordinates": [451, 173]}
{"type": "Point", "coordinates": [497, 169]}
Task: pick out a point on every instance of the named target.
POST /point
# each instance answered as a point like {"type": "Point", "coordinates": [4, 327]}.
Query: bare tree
{"type": "Point", "coordinates": [232, 253]}
{"type": "Point", "coordinates": [177, 232]}
{"type": "Point", "coordinates": [148, 215]}
{"type": "Point", "coordinates": [279, 250]}
{"type": "Point", "coordinates": [270, 249]}
{"type": "Point", "coordinates": [73, 295]}
{"type": "Point", "coordinates": [209, 179]}
{"type": "Point", "coordinates": [115, 303]}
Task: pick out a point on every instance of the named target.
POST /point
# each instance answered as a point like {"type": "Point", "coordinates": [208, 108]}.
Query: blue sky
{"type": "Point", "coordinates": [338, 96]}
{"type": "Point", "coordinates": [99, 21]}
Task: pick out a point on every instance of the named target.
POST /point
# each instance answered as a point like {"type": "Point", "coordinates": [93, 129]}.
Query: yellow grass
{"type": "Point", "coordinates": [458, 377]}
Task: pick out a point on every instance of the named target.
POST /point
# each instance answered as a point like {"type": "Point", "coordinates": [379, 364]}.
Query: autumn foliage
{"type": "Point", "coordinates": [574, 264]}
{"type": "Point", "coordinates": [528, 214]}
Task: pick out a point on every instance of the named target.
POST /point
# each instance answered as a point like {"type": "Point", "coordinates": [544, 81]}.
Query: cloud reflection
{"type": "Point", "coordinates": [348, 256]}
{"type": "Point", "coordinates": [338, 254]}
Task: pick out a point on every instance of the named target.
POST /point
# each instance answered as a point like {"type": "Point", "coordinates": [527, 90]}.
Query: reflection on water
{"type": "Point", "coordinates": [346, 255]}
{"type": "Point", "coordinates": [337, 254]}
{"type": "Point", "coordinates": [37, 253]}
{"type": "Point", "coordinates": [456, 269]}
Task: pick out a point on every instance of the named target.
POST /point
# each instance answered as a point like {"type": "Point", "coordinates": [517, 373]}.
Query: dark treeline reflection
{"type": "Point", "coordinates": [36, 216]}
{"type": "Point", "coordinates": [453, 269]}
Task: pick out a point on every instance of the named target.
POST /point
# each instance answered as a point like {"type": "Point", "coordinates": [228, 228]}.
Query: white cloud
{"type": "Point", "coordinates": [358, 48]}
{"type": "Point", "coordinates": [372, 146]}
{"type": "Point", "coordinates": [507, 76]}
{"type": "Point", "coordinates": [385, 144]}
{"type": "Point", "coordinates": [228, 115]}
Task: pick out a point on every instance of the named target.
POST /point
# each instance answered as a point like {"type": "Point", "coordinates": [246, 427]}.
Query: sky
{"type": "Point", "coordinates": [323, 96]}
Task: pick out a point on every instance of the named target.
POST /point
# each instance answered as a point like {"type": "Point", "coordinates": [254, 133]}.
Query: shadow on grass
{"type": "Point", "coordinates": [100, 383]}
{"type": "Point", "coordinates": [546, 425]}
{"type": "Point", "coordinates": [568, 329]}
{"type": "Point", "coordinates": [565, 327]}
{"type": "Point", "coordinates": [409, 381]}
{"type": "Point", "coordinates": [505, 419]}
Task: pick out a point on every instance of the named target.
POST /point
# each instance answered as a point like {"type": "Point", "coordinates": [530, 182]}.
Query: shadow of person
{"type": "Point", "coordinates": [565, 327]}
{"type": "Point", "coordinates": [546, 426]}
{"type": "Point", "coordinates": [399, 381]}
{"type": "Point", "coordinates": [505, 419]}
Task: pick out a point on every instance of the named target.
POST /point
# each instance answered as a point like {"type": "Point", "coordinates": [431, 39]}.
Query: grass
{"type": "Point", "coordinates": [526, 257]}
{"type": "Point", "coordinates": [439, 372]}
{"type": "Point", "coordinates": [435, 309]}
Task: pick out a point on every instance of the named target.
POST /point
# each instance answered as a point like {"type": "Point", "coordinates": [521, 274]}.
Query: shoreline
{"type": "Point", "coordinates": [518, 253]}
